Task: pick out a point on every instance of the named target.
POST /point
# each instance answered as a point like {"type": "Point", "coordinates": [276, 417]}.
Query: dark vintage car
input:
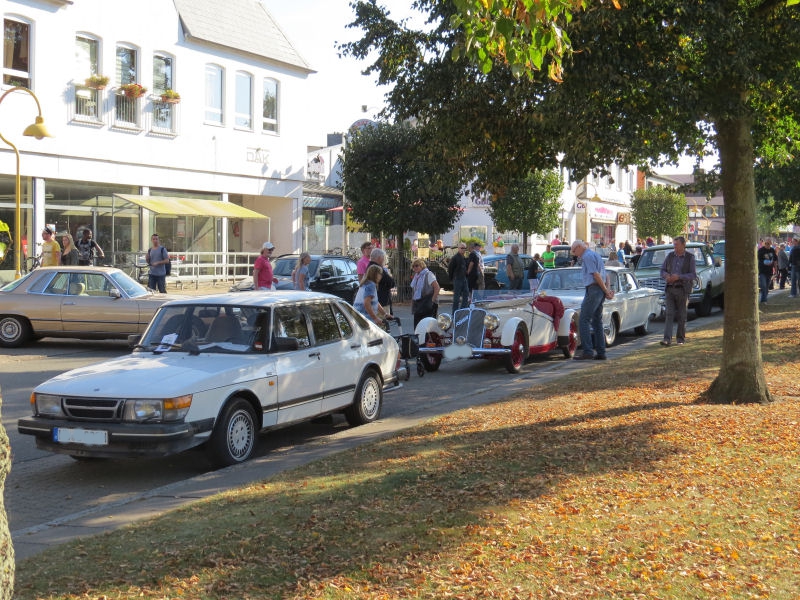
{"type": "Point", "coordinates": [328, 273]}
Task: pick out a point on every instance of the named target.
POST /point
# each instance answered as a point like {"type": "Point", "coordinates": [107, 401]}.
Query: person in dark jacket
{"type": "Point", "coordinates": [457, 271]}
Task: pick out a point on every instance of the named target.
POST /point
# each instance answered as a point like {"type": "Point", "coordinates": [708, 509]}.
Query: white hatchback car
{"type": "Point", "coordinates": [216, 370]}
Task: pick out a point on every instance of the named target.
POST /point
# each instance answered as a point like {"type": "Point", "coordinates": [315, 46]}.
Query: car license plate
{"type": "Point", "coordinates": [80, 436]}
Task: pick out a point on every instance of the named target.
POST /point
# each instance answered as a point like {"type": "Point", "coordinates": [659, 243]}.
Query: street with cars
{"type": "Point", "coordinates": [108, 492]}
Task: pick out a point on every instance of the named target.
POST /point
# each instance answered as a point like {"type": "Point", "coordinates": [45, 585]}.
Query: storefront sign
{"type": "Point", "coordinates": [258, 155]}
{"type": "Point", "coordinates": [602, 213]}
{"type": "Point", "coordinates": [580, 207]}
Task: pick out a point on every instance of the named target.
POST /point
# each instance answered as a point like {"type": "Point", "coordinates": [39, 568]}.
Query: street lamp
{"type": "Point", "coordinates": [39, 131]}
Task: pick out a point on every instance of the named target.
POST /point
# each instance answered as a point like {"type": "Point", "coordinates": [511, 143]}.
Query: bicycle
{"type": "Point", "coordinates": [32, 262]}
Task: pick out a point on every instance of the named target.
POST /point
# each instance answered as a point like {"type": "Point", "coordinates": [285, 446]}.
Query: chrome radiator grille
{"type": "Point", "coordinates": [469, 325]}
{"type": "Point", "coordinates": [653, 282]}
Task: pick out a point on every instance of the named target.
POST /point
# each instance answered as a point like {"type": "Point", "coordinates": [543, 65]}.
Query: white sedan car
{"type": "Point", "coordinates": [260, 361]}
{"type": "Point", "coordinates": [632, 307]}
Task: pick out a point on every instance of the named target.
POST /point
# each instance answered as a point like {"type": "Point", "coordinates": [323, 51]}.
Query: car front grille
{"type": "Point", "coordinates": [469, 325]}
{"type": "Point", "coordinates": [653, 282]}
{"type": "Point", "coordinates": [91, 409]}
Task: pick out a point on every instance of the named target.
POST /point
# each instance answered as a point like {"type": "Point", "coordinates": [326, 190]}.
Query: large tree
{"type": "Point", "coordinates": [658, 211]}
{"type": "Point", "coordinates": [647, 82]}
{"type": "Point", "coordinates": [391, 186]}
{"type": "Point", "coordinates": [529, 205]}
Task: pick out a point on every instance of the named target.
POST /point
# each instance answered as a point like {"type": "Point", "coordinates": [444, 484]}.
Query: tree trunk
{"type": "Point", "coordinates": [741, 377]}
{"type": "Point", "coordinates": [6, 549]}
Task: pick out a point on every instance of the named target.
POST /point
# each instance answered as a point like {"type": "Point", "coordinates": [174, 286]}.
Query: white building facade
{"type": "Point", "coordinates": [130, 166]}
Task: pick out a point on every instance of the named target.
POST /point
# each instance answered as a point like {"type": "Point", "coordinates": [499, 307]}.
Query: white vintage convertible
{"type": "Point", "coordinates": [632, 307]}
{"type": "Point", "coordinates": [499, 325]}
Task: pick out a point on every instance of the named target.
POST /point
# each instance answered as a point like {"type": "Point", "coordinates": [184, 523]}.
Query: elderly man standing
{"type": "Point", "coordinates": [514, 268]}
{"type": "Point", "coordinates": [679, 271]}
{"type": "Point", "coordinates": [594, 278]}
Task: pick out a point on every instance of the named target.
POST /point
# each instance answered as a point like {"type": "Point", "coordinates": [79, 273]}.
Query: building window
{"type": "Point", "coordinates": [244, 100]}
{"type": "Point", "coordinates": [16, 54]}
{"type": "Point", "coordinates": [214, 93]}
{"type": "Point", "coordinates": [270, 122]}
{"type": "Point", "coordinates": [127, 108]}
{"type": "Point", "coordinates": [88, 99]}
{"type": "Point", "coordinates": [164, 112]}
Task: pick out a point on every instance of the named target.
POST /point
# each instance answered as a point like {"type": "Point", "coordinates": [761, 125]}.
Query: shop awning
{"type": "Point", "coordinates": [168, 205]}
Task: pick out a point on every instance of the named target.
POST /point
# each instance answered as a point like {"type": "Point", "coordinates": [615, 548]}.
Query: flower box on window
{"type": "Point", "coordinates": [170, 97]}
{"type": "Point", "coordinates": [97, 82]}
{"type": "Point", "coordinates": [132, 90]}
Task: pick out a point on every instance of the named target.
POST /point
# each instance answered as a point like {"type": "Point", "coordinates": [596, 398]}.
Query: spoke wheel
{"type": "Point", "coordinates": [610, 332]}
{"type": "Point", "coordinates": [519, 350]}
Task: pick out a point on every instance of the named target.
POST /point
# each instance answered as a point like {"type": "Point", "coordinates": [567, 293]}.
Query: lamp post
{"type": "Point", "coordinates": [39, 131]}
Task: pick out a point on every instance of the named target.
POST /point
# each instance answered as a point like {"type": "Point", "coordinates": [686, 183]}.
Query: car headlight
{"type": "Point", "coordinates": [491, 321]}
{"type": "Point", "coordinates": [160, 410]}
{"type": "Point", "coordinates": [444, 321]}
{"type": "Point", "coordinates": [697, 284]}
{"type": "Point", "coordinates": [46, 405]}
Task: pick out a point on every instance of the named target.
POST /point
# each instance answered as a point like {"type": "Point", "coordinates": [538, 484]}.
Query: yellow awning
{"type": "Point", "coordinates": [168, 205]}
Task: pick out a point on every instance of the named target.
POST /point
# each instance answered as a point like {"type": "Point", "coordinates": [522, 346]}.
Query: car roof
{"type": "Point", "coordinates": [494, 257]}
{"type": "Point", "coordinates": [316, 256]}
{"type": "Point", "coordinates": [256, 299]}
{"type": "Point", "coordinates": [79, 268]}
{"type": "Point", "coordinates": [606, 267]}
{"type": "Point", "coordinates": [671, 246]}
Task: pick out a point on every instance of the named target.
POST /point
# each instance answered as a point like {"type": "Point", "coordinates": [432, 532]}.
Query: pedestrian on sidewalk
{"type": "Point", "coordinates": [457, 270]}
{"type": "Point", "coordinates": [594, 278]}
{"type": "Point", "coordinates": [679, 271]}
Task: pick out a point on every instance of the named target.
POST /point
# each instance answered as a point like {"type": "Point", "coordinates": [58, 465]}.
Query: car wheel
{"type": "Point", "coordinates": [704, 308]}
{"type": "Point", "coordinates": [572, 340]}
{"type": "Point", "coordinates": [519, 350]}
{"type": "Point", "coordinates": [367, 401]}
{"type": "Point", "coordinates": [234, 437]}
{"type": "Point", "coordinates": [14, 331]}
{"type": "Point", "coordinates": [644, 328]}
{"type": "Point", "coordinates": [610, 332]}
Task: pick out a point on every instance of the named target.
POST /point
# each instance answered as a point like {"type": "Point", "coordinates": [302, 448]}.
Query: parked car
{"type": "Point", "coordinates": [564, 257]}
{"type": "Point", "coordinates": [632, 307]}
{"type": "Point", "coordinates": [719, 249]}
{"type": "Point", "coordinates": [75, 302]}
{"type": "Point", "coordinates": [495, 275]}
{"type": "Point", "coordinates": [709, 287]}
{"type": "Point", "coordinates": [499, 325]}
{"type": "Point", "coordinates": [261, 361]}
{"type": "Point", "coordinates": [328, 273]}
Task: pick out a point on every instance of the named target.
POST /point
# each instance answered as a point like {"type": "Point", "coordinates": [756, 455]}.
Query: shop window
{"type": "Point", "coordinates": [16, 54]}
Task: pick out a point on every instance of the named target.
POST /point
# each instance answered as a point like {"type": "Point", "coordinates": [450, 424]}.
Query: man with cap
{"type": "Point", "coordinates": [51, 251]}
{"type": "Point", "coordinates": [263, 279]}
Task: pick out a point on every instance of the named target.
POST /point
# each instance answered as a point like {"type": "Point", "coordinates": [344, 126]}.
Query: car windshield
{"type": "Point", "coordinates": [283, 267]}
{"type": "Point", "coordinates": [656, 258]}
{"type": "Point", "coordinates": [562, 280]}
{"type": "Point", "coordinates": [203, 328]}
{"type": "Point", "coordinates": [12, 285]}
{"type": "Point", "coordinates": [719, 248]}
{"type": "Point", "coordinates": [132, 288]}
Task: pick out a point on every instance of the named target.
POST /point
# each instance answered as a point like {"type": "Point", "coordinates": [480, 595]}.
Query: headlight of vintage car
{"type": "Point", "coordinates": [444, 321]}
{"type": "Point", "coordinates": [168, 409]}
{"type": "Point", "coordinates": [697, 284]}
{"type": "Point", "coordinates": [491, 321]}
{"type": "Point", "coordinates": [46, 405]}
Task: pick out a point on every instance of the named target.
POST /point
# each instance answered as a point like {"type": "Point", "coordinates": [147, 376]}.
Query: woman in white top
{"type": "Point", "coordinates": [425, 291]}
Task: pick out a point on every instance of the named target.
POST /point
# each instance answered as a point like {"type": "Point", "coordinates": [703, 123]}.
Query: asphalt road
{"type": "Point", "coordinates": [46, 493]}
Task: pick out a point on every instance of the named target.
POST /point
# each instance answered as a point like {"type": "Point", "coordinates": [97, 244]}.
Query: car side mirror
{"type": "Point", "coordinates": [287, 344]}
{"type": "Point", "coordinates": [114, 293]}
{"type": "Point", "coordinates": [133, 340]}
{"type": "Point", "coordinates": [717, 261]}
{"type": "Point", "coordinates": [324, 275]}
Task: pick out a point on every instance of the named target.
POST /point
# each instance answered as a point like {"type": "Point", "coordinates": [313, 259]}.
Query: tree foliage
{"type": "Point", "coordinates": [529, 205]}
{"type": "Point", "coordinates": [648, 83]}
{"type": "Point", "coordinates": [658, 211]}
{"type": "Point", "coordinates": [391, 187]}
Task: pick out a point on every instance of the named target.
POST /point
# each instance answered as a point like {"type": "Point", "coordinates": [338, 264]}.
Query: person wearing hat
{"type": "Point", "coordinates": [263, 279]}
{"type": "Point", "coordinates": [51, 251]}
{"type": "Point", "coordinates": [475, 269]}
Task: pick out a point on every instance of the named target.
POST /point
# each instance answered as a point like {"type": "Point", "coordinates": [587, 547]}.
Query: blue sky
{"type": "Point", "coordinates": [339, 90]}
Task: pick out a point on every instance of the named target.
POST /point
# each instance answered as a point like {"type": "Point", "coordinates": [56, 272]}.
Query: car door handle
{"type": "Point", "coordinates": [313, 354]}
{"type": "Point", "coordinates": [355, 346]}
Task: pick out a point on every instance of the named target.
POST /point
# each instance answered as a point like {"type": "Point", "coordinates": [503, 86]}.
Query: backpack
{"type": "Point", "coordinates": [168, 264]}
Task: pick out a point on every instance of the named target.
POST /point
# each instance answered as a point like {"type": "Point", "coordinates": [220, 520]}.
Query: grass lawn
{"type": "Point", "coordinates": [613, 483]}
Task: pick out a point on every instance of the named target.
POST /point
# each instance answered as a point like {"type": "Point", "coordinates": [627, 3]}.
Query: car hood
{"type": "Point", "coordinates": [149, 375]}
